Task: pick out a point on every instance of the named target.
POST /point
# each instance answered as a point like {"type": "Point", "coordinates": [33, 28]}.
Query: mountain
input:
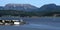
{"type": "Point", "coordinates": [49, 9]}
{"type": "Point", "coordinates": [29, 10]}
{"type": "Point", "coordinates": [23, 7]}
{"type": "Point", "coordinates": [1, 7]}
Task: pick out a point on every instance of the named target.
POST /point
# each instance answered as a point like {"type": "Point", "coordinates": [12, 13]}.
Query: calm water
{"type": "Point", "coordinates": [42, 23]}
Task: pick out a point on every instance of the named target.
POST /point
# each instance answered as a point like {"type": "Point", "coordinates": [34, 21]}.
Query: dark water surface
{"type": "Point", "coordinates": [41, 23]}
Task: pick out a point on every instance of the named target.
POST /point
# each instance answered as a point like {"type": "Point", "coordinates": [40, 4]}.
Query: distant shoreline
{"type": "Point", "coordinates": [29, 17]}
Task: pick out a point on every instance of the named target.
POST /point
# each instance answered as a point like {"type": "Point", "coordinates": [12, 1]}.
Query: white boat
{"type": "Point", "coordinates": [12, 22]}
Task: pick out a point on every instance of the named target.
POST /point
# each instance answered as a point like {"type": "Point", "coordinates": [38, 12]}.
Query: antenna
{"type": "Point", "coordinates": [21, 20]}
{"type": "Point", "coordinates": [54, 17]}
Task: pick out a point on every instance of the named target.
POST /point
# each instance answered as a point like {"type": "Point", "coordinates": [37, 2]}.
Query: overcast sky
{"type": "Point", "coordinates": [37, 3]}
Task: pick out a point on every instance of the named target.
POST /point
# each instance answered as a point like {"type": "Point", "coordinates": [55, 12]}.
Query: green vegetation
{"type": "Point", "coordinates": [16, 13]}
{"type": "Point", "coordinates": [25, 14]}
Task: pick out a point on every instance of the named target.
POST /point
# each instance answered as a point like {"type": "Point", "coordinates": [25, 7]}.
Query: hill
{"type": "Point", "coordinates": [29, 10]}
{"type": "Point", "coordinates": [23, 7]}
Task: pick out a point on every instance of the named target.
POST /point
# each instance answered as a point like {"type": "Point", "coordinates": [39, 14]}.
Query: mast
{"type": "Point", "coordinates": [21, 20]}
{"type": "Point", "coordinates": [54, 16]}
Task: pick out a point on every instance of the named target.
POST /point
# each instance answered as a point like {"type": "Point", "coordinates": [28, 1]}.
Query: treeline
{"type": "Point", "coordinates": [25, 13]}
{"type": "Point", "coordinates": [17, 13]}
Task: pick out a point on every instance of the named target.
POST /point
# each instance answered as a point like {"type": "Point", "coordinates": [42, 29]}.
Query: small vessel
{"type": "Point", "coordinates": [12, 22]}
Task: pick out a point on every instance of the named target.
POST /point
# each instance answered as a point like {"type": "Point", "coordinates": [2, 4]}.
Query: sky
{"type": "Point", "coordinates": [37, 3]}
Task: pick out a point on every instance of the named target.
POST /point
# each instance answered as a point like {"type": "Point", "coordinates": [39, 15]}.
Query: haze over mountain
{"type": "Point", "coordinates": [23, 7]}
{"type": "Point", "coordinates": [28, 7]}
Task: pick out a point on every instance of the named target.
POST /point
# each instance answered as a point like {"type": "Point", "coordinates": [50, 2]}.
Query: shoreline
{"type": "Point", "coordinates": [28, 17]}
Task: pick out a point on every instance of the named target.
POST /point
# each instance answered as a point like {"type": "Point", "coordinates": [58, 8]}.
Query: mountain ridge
{"type": "Point", "coordinates": [45, 10]}
{"type": "Point", "coordinates": [23, 7]}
